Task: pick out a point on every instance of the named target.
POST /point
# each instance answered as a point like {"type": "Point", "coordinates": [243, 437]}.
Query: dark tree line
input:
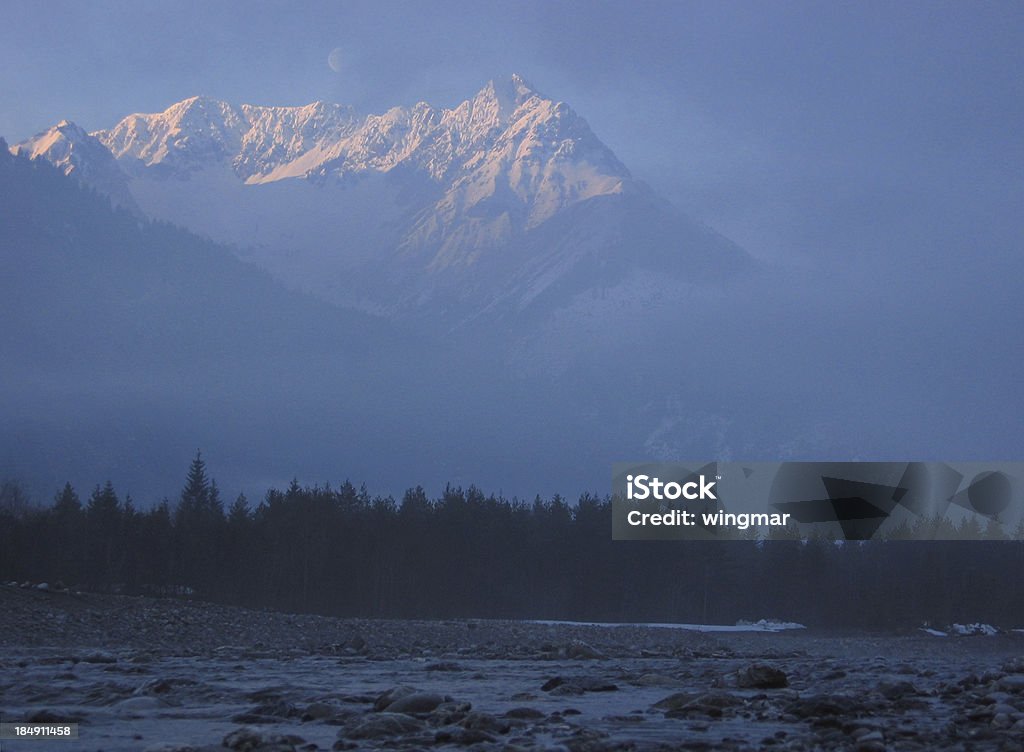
{"type": "Point", "coordinates": [341, 551]}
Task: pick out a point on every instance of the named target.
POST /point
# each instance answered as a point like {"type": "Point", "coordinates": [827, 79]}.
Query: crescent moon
{"type": "Point", "coordinates": [334, 59]}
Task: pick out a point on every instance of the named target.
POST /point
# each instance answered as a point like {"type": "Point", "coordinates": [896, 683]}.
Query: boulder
{"type": "Point", "coordinates": [579, 650]}
{"type": "Point", "coordinates": [385, 699]}
{"type": "Point", "coordinates": [383, 726]}
{"type": "Point", "coordinates": [761, 676]}
{"type": "Point", "coordinates": [417, 702]}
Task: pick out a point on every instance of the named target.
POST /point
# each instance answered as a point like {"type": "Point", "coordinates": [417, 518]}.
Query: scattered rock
{"type": "Point", "coordinates": [1012, 683]}
{"type": "Point", "coordinates": [448, 713]}
{"type": "Point", "coordinates": [1014, 666]}
{"type": "Point", "coordinates": [317, 711]}
{"type": "Point", "coordinates": [710, 704]}
{"type": "Point", "coordinates": [654, 680]}
{"type": "Point", "coordinates": [817, 706]}
{"type": "Point", "coordinates": [163, 686]}
{"type": "Point", "coordinates": [463, 737]}
{"type": "Point", "coordinates": [447, 666]}
{"type": "Point", "coordinates": [595, 685]}
{"type": "Point", "coordinates": [383, 726]}
{"type": "Point", "coordinates": [761, 676]}
{"type": "Point", "coordinates": [267, 693]}
{"type": "Point", "coordinates": [589, 740]}
{"type": "Point", "coordinates": [894, 690]}
{"type": "Point", "coordinates": [524, 713]}
{"type": "Point", "coordinates": [250, 740]}
{"type": "Point", "coordinates": [970, 695]}
{"type": "Point", "coordinates": [417, 702]}
{"type": "Point", "coordinates": [674, 701]}
{"type": "Point", "coordinates": [567, 690]}
{"type": "Point", "coordinates": [137, 707]}
{"type": "Point", "coordinates": [386, 698]}
{"type": "Point", "coordinates": [356, 644]}
{"type": "Point", "coordinates": [477, 721]}
{"type": "Point", "coordinates": [49, 716]}
{"type": "Point", "coordinates": [579, 650]}
{"type": "Point", "coordinates": [625, 718]}
{"type": "Point", "coordinates": [268, 712]}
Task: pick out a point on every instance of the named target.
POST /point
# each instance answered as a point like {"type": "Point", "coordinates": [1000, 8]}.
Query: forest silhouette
{"type": "Point", "coordinates": [341, 551]}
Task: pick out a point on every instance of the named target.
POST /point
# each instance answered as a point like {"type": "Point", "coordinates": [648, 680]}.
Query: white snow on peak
{"type": "Point", "coordinates": [264, 144]}
{"type": "Point", "coordinates": [505, 161]}
{"type": "Point", "coordinates": [499, 100]}
{"type": "Point", "coordinates": [56, 145]}
{"type": "Point", "coordinates": [70, 148]}
{"type": "Point", "coordinates": [443, 203]}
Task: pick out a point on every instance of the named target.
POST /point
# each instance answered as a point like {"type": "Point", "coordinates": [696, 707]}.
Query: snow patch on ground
{"type": "Point", "coordinates": [965, 630]}
{"type": "Point", "coordinates": [762, 625]}
{"type": "Point", "coordinates": [977, 628]}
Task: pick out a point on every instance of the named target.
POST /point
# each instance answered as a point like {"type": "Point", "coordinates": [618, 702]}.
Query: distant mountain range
{"type": "Point", "coordinates": [482, 294]}
{"type": "Point", "coordinates": [505, 205]}
{"type": "Point", "coordinates": [479, 271]}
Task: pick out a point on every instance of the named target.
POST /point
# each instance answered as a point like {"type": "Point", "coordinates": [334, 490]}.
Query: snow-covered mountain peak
{"type": "Point", "coordinates": [263, 144]}
{"type": "Point", "coordinates": [394, 209]}
{"type": "Point", "coordinates": [186, 135]}
{"type": "Point", "coordinates": [55, 143]}
{"type": "Point", "coordinates": [254, 140]}
{"type": "Point", "coordinates": [69, 147]}
{"type": "Point", "coordinates": [290, 142]}
{"type": "Point", "coordinates": [69, 126]}
{"type": "Point", "coordinates": [499, 100]}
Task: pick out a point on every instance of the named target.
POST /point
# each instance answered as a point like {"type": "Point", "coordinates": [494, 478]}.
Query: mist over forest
{"type": "Point", "coordinates": [129, 343]}
{"type": "Point", "coordinates": [466, 554]}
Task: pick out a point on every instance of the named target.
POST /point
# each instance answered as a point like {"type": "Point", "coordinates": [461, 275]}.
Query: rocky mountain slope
{"type": "Point", "coordinates": [505, 203]}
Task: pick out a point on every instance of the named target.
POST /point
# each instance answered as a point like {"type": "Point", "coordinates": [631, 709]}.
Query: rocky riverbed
{"type": "Point", "coordinates": [170, 676]}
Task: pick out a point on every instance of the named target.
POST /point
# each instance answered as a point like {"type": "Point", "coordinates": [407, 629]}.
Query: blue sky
{"type": "Point", "coordinates": [805, 131]}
